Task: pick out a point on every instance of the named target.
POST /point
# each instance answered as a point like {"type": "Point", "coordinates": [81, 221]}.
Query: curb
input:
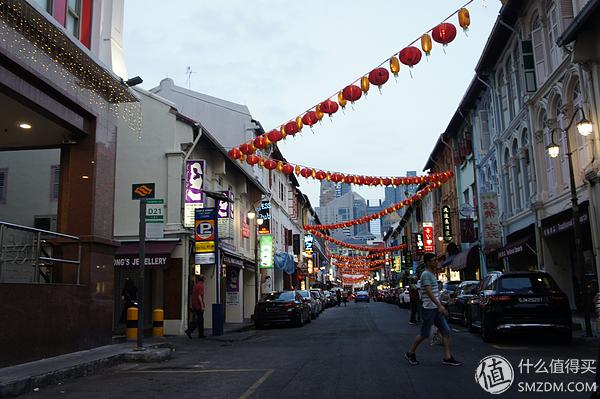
{"type": "Point", "coordinates": [155, 353]}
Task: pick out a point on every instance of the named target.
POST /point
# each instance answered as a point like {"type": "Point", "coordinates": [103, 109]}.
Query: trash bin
{"type": "Point", "coordinates": [217, 319]}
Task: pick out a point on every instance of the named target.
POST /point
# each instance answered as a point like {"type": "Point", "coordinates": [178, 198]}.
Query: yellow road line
{"type": "Point", "coordinates": [255, 386]}
{"type": "Point", "coordinates": [197, 371]}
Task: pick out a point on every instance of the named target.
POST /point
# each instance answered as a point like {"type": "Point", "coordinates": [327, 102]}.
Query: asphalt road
{"type": "Point", "coordinates": [348, 352]}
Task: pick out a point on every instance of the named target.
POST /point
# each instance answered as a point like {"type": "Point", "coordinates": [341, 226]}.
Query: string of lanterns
{"type": "Point", "coordinates": [378, 215]}
{"type": "Point", "coordinates": [365, 248]}
{"type": "Point", "coordinates": [336, 177]}
{"type": "Point", "coordinates": [443, 33]}
{"type": "Point", "coordinates": [355, 264]}
{"type": "Point", "coordinates": [354, 257]}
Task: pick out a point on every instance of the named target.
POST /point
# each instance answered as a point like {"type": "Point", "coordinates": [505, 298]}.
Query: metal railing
{"type": "Point", "coordinates": [28, 255]}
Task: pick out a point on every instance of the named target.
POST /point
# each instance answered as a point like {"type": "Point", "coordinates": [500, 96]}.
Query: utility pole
{"type": "Point", "coordinates": [142, 260]}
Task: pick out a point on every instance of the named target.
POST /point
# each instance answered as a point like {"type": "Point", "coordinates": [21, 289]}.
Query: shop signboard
{"type": "Point", "coordinates": [194, 194]}
{"type": "Point", "coordinates": [205, 234]}
{"type": "Point", "coordinates": [446, 223]}
{"type": "Point", "coordinates": [265, 248]}
{"type": "Point", "coordinates": [155, 218]}
{"type": "Point", "coordinates": [492, 233]}
{"type": "Point", "coordinates": [264, 213]}
{"type": "Point", "coordinates": [428, 240]}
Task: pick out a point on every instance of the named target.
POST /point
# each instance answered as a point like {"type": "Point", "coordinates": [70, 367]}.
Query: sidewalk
{"type": "Point", "coordinates": [26, 377]}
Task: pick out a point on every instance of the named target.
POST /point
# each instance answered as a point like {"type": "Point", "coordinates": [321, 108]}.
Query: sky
{"type": "Point", "coordinates": [280, 58]}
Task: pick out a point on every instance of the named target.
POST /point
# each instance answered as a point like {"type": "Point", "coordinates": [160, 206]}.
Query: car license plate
{"type": "Point", "coordinates": [531, 300]}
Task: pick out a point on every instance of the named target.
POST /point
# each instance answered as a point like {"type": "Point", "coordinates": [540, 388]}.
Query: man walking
{"type": "Point", "coordinates": [198, 307]}
{"type": "Point", "coordinates": [432, 313]}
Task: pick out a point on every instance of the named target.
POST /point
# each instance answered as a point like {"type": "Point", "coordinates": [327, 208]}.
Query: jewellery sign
{"type": "Point", "coordinates": [446, 224]}
{"type": "Point", "coordinates": [194, 194]}
{"type": "Point", "coordinates": [428, 243]}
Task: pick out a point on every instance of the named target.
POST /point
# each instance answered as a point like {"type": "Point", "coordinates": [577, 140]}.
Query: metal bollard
{"type": "Point", "coordinates": [132, 323]}
{"type": "Point", "coordinates": [158, 317]}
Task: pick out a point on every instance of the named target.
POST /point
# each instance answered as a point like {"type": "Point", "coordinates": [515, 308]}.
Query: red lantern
{"type": "Point", "coordinates": [252, 159]}
{"type": "Point", "coordinates": [260, 142]}
{"type": "Point", "coordinates": [234, 153]}
{"type": "Point", "coordinates": [444, 33]}
{"type": "Point", "coordinates": [287, 169]}
{"type": "Point", "coordinates": [310, 118]}
{"type": "Point", "coordinates": [336, 177]}
{"type": "Point", "coordinates": [352, 93]}
{"type": "Point", "coordinates": [291, 128]}
{"type": "Point", "coordinates": [320, 175]}
{"type": "Point", "coordinates": [247, 148]}
{"type": "Point", "coordinates": [270, 164]}
{"type": "Point", "coordinates": [368, 180]}
{"type": "Point", "coordinates": [274, 135]}
{"type": "Point", "coordinates": [396, 181]}
{"type": "Point", "coordinates": [329, 107]}
{"type": "Point", "coordinates": [387, 181]}
{"type": "Point", "coordinates": [410, 56]}
{"type": "Point", "coordinates": [305, 172]}
{"type": "Point", "coordinates": [379, 76]}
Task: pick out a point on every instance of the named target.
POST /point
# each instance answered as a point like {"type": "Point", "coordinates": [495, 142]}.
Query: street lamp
{"type": "Point", "coordinates": [585, 128]}
{"type": "Point", "coordinates": [251, 215]}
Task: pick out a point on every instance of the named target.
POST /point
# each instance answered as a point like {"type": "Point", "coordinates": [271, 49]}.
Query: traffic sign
{"type": "Point", "coordinates": [205, 246]}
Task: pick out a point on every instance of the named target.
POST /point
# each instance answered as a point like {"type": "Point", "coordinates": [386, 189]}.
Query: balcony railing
{"type": "Point", "coordinates": [30, 255]}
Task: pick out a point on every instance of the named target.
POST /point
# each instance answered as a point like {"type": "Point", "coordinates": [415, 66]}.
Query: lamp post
{"type": "Point", "coordinates": [584, 127]}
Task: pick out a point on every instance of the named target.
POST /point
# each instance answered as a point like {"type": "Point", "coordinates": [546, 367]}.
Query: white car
{"type": "Point", "coordinates": [404, 298]}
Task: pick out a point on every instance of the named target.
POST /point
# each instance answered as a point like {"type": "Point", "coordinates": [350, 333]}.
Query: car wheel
{"type": "Point", "coordinates": [487, 331]}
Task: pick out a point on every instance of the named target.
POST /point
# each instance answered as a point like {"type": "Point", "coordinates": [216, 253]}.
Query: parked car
{"type": "Point", "coordinates": [520, 301]}
{"type": "Point", "coordinates": [404, 301]}
{"type": "Point", "coordinates": [362, 296]}
{"type": "Point", "coordinates": [330, 299]}
{"type": "Point", "coordinates": [317, 298]}
{"type": "Point", "coordinates": [448, 290]}
{"type": "Point", "coordinates": [311, 301]}
{"type": "Point", "coordinates": [457, 304]}
{"type": "Point", "coordinates": [321, 296]}
{"type": "Point", "coordinates": [281, 307]}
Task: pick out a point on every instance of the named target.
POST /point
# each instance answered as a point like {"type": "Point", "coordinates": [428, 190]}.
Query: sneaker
{"type": "Point", "coordinates": [412, 322]}
{"type": "Point", "coordinates": [451, 362]}
{"type": "Point", "coordinates": [412, 358]}
{"type": "Point", "coordinates": [188, 334]}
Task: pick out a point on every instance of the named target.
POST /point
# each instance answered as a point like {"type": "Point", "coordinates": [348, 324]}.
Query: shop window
{"type": "Point", "coordinates": [73, 23]}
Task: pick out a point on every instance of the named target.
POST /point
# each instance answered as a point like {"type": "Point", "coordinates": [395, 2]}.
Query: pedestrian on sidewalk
{"type": "Point", "coordinates": [129, 297]}
{"type": "Point", "coordinates": [433, 313]}
{"type": "Point", "coordinates": [198, 306]}
{"type": "Point", "coordinates": [413, 293]}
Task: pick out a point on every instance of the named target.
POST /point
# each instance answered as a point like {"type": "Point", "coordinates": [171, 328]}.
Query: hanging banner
{"type": "Point", "coordinates": [446, 224]}
{"type": "Point", "coordinates": [428, 240]}
{"type": "Point", "coordinates": [492, 236]}
{"type": "Point", "coordinates": [308, 243]}
{"type": "Point", "coordinates": [194, 194]}
{"type": "Point", "coordinates": [265, 249]}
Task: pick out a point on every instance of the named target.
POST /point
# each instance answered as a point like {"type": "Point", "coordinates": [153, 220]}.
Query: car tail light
{"type": "Point", "coordinates": [289, 305]}
{"type": "Point", "coordinates": [499, 298]}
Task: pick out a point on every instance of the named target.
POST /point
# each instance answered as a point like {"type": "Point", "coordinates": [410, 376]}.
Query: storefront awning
{"type": "Point", "coordinates": [514, 247]}
{"type": "Point", "coordinates": [466, 259]}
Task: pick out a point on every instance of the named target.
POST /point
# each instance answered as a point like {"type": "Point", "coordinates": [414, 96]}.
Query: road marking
{"type": "Point", "coordinates": [197, 371]}
{"type": "Point", "coordinates": [255, 386]}
{"type": "Point", "coordinates": [516, 348]}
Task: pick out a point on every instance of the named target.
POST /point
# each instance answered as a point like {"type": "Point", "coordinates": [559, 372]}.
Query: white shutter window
{"type": "Point", "coordinates": [537, 39]}
{"type": "Point", "coordinates": [485, 130]}
{"type": "Point", "coordinates": [549, 164]}
{"type": "Point", "coordinates": [566, 13]}
{"type": "Point", "coordinates": [553, 33]}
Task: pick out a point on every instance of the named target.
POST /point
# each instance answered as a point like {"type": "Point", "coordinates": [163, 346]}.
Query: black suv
{"type": "Point", "coordinates": [520, 301]}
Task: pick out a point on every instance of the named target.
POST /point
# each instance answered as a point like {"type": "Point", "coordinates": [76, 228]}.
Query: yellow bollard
{"type": "Point", "coordinates": [158, 317]}
{"type": "Point", "coordinates": [132, 323]}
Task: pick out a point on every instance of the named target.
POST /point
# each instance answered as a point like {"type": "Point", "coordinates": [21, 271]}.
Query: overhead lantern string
{"type": "Point", "coordinates": [410, 56]}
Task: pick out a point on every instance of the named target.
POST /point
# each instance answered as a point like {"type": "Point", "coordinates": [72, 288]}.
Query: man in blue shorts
{"type": "Point", "coordinates": [432, 313]}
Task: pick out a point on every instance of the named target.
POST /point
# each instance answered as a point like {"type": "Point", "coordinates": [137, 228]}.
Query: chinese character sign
{"type": "Point", "coordinates": [492, 235]}
{"type": "Point", "coordinates": [308, 242]}
{"type": "Point", "coordinates": [194, 182]}
{"type": "Point", "coordinates": [446, 224]}
{"type": "Point", "coordinates": [419, 242]}
{"type": "Point", "coordinates": [428, 241]}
